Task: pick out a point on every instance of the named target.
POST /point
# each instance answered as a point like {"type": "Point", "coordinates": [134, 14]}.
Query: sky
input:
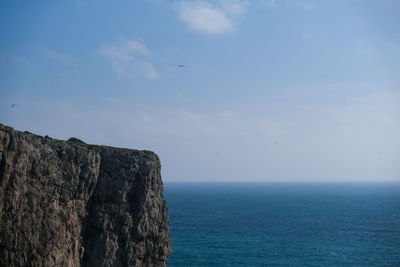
{"type": "Point", "coordinates": [270, 90]}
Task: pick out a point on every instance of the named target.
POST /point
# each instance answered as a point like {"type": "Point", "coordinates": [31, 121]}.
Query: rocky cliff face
{"type": "Point", "coordinates": [66, 203]}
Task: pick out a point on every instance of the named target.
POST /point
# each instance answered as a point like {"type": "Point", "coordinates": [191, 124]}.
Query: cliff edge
{"type": "Point", "coordinates": [66, 203]}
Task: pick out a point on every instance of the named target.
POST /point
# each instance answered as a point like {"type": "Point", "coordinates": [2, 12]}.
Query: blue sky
{"type": "Point", "coordinates": [272, 90]}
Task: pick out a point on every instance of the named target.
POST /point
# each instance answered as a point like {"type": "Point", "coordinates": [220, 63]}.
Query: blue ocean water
{"type": "Point", "coordinates": [284, 224]}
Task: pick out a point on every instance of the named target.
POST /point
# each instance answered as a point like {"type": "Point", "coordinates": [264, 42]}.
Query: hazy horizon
{"type": "Point", "coordinates": [221, 90]}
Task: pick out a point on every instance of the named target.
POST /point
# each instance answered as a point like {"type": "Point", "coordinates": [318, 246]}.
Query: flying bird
{"type": "Point", "coordinates": [276, 142]}
{"type": "Point", "coordinates": [13, 105]}
{"type": "Point", "coordinates": [181, 66]}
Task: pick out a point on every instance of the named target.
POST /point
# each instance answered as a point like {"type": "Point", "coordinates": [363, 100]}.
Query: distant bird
{"type": "Point", "coordinates": [218, 153]}
{"type": "Point", "coordinates": [181, 66]}
{"type": "Point", "coordinates": [13, 105]}
{"type": "Point", "coordinates": [276, 143]}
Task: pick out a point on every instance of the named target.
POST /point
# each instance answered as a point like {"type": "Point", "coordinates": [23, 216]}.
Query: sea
{"type": "Point", "coordinates": [284, 224]}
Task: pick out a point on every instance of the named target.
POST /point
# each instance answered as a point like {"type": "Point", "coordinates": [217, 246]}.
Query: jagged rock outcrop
{"type": "Point", "coordinates": [66, 203]}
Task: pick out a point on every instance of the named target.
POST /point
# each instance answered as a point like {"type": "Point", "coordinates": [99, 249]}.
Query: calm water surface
{"type": "Point", "coordinates": [284, 224]}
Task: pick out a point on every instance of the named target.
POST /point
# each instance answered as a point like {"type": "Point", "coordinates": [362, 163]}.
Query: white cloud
{"type": "Point", "coordinates": [57, 56]}
{"type": "Point", "coordinates": [130, 59]}
{"type": "Point", "coordinates": [305, 4]}
{"type": "Point", "coordinates": [233, 7]}
{"type": "Point", "coordinates": [70, 63]}
{"type": "Point", "coordinates": [205, 17]}
{"type": "Point", "coordinates": [357, 140]}
{"type": "Point", "coordinates": [308, 5]}
{"type": "Point", "coordinates": [269, 3]}
{"type": "Point", "coordinates": [226, 124]}
{"type": "Point", "coordinates": [219, 16]}
{"type": "Point", "coordinates": [270, 128]}
{"type": "Point", "coordinates": [147, 70]}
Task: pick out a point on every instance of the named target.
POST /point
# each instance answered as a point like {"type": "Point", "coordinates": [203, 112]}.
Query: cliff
{"type": "Point", "coordinates": [66, 203]}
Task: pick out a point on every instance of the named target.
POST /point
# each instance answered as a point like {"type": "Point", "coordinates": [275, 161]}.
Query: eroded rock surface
{"type": "Point", "coordinates": [66, 203]}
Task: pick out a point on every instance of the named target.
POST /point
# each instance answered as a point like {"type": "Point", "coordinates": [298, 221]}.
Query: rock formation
{"type": "Point", "coordinates": [66, 203]}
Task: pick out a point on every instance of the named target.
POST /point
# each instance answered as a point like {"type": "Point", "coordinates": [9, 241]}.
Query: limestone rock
{"type": "Point", "coordinates": [66, 203]}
